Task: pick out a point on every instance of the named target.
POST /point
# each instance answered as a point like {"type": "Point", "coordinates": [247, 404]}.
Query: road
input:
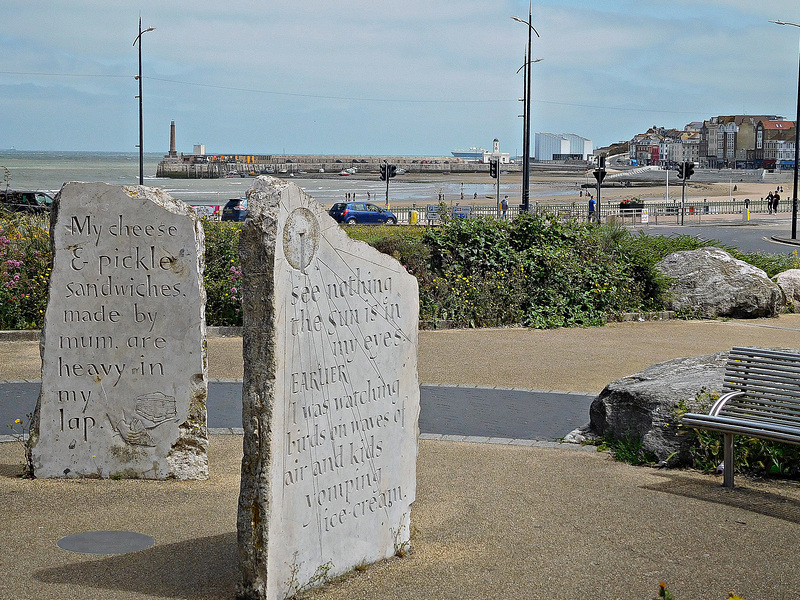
{"type": "Point", "coordinates": [750, 237]}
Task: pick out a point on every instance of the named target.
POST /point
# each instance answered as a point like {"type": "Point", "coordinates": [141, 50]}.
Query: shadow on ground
{"type": "Point", "coordinates": [199, 568]}
{"type": "Point", "coordinates": [770, 504]}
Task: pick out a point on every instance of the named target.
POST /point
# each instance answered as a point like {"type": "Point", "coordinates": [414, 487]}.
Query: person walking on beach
{"type": "Point", "coordinates": [504, 206]}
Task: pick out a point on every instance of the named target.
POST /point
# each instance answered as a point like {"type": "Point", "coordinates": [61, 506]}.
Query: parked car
{"type": "Point", "coordinates": [361, 212]}
{"type": "Point", "coordinates": [25, 201]}
{"type": "Point", "coordinates": [235, 210]}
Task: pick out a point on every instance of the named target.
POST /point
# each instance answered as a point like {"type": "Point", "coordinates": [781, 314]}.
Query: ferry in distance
{"type": "Point", "coordinates": [473, 153]}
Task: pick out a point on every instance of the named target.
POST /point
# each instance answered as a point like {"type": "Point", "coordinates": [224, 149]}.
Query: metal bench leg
{"type": "Point", "coordinates": [727, 474]}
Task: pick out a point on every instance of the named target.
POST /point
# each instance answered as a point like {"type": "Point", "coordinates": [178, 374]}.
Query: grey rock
{"type": "Point", "coordinates": [710, 283]}
{"type": "Point", "coordinates": [642, 405]}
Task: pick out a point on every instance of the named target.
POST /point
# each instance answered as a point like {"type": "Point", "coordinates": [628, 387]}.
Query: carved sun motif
{"type": "Point", "coordinates": [300, 238]}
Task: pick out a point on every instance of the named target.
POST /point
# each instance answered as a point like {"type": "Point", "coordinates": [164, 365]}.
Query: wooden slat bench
{"type": "Point", "coordinates": [761, 399]}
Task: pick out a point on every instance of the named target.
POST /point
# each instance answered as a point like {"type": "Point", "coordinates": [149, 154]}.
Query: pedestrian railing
{"type": "Point", "coordinates": [661, 212]}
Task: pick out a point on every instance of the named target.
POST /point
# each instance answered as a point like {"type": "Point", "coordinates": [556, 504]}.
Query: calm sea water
{"type": "Point", "coordinates": [50, 170]}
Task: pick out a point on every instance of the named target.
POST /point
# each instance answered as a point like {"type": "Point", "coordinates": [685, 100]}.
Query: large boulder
{"type": "Point", "coordinates": [789, 282]}
{"type": "Point", "coordinates": [710, 283]}
{"type": "Point", "coordinates": [643, 405]}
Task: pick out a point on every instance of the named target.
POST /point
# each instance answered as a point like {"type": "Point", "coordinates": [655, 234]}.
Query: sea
{"type": "Point", "coordinates": [48, 171]}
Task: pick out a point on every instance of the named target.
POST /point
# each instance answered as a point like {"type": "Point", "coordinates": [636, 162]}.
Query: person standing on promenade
{"type": "Point", "coordinates": [504, 206]}
{"type": "Point", "coordinates": [775, 200]}
{"type": "Point", "coordinates": [769, 203]}
{"type": "Point", "coordinates": [592, 205]}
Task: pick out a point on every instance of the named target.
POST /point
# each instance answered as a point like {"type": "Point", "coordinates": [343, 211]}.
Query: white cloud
{"type": "Point", "coordinates": [403, 73]}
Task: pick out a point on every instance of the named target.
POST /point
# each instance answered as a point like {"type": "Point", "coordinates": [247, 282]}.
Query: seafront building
{"type": "Point", "coordinates": [561, 146]}
{"type": "Point", "coordinates": [725, 141]}
{"type": "Point", "coordinates": [504, 157]}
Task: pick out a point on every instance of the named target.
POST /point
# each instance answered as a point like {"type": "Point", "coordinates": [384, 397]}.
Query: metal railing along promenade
{"type": "Point", "coordinates": [655, 213]}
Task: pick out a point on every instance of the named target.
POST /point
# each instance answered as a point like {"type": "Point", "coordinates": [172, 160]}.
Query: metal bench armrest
{"type": "Point", "coordinates": [722, 401]}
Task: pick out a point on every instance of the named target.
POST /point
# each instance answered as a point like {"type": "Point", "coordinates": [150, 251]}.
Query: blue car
{"type": "Point", "coordinates": [361, 212]}
{"type": "Point", "coordinates": [235, 210]}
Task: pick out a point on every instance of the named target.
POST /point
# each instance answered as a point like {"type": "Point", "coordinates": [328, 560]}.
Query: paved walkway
{"type": "Point", "coordinates": [451, 410]}
{"type": "Point", "coordinates": [492, 520]}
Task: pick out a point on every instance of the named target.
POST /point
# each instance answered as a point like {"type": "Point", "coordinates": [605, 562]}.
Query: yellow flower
{"type": "Point", "coordinates": [19, 421]}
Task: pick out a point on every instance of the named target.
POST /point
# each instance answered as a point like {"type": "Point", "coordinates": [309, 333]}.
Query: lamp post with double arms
{"type": "Point", "coordinates": [526, 141]}
{"type": "Point", "coordinates": [796, 144]}
{"type": "Point", "coordinates": [141, 120]}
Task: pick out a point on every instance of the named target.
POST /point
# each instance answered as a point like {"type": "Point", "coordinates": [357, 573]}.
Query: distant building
{"type": "Point", "coordinates": [562, 146]}
{"type": "Point", "coordinates": [774, 144]}
{"type": "Point", "coordinates": [732, 141]}
{"type": "Point", "coordinates": [172, 156]}
{"type": "Point", "coordinates": [505, 157]}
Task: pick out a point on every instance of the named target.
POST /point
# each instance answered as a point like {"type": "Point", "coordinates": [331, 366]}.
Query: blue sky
{"type": "Point", "coordinates": [371, 77]}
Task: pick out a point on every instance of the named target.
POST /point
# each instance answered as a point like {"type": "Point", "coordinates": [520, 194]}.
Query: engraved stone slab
{"type": "Point", "coordinates": [124, 379]}
{"type": "Point", "coordinates": [331, 397]}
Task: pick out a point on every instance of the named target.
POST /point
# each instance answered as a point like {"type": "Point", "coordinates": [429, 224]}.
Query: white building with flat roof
{"type": "Point", "coordinates": [504, 157]}
{"type": "Point", "coordinates": [562, 146]}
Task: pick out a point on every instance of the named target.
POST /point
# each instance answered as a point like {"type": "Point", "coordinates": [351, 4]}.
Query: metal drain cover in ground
{"type": "Point", "coordinates": [106, 542]}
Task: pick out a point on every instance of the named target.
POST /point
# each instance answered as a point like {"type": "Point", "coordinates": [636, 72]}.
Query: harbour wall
{"type": "Point", "coordinates": [216, 166]}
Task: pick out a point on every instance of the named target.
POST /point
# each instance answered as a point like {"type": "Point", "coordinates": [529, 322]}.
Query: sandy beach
{"type": "Point", "coordinates": [566, 187]}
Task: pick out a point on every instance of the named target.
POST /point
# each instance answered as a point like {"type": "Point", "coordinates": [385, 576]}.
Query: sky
{"type": "Point", "coordinates": [368, 77]}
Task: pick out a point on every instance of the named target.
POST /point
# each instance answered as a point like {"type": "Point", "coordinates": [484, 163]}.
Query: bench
{"type": "Point", "coordinates": [761, 399]}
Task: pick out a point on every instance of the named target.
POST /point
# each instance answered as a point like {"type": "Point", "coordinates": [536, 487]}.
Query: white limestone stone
{"type": "Point", "coordinates": [124, 379]}
{"type": "Point", "coordinates": [331, 397]}
{"type": "Point", "coordinates": [789, 282]}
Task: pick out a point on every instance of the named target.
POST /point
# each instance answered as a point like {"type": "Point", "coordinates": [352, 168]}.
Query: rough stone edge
{"type": "Point", "coordinates": [257, 242]}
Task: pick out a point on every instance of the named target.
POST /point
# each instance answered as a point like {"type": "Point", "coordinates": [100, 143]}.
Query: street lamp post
{"type": "Point", "coordinates": [526, 142]}
{"type": "Point", "coordinates": [796, 144]}
{"type": "Point", "coordinates": [141, 120]}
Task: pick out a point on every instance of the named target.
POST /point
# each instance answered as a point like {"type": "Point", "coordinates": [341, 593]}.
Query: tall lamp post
{"type": "Point", "coordinates": [526, 142]}
{"type": "Point", "coordinates": [141, 121]}
{"type": "Point", "coordinates": [796, 144]}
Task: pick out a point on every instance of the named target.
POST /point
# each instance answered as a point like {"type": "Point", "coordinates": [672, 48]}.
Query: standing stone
{"type": "Point", "coordinates": [331, 397]}
{"type": "Point", "coordinates": [124, 379]}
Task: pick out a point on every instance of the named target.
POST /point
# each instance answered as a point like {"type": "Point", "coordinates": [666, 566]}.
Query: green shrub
{"type": "Point", "coordinates": [25, 260]}
{"type": "Point", "coordinates": [534, 270]}
{"type": "Point", "coordinates": [772, 264]}
{"type": "Point", "coordinates": [750, 455]}
{"type": "Point", "coordinates": [223, 273]}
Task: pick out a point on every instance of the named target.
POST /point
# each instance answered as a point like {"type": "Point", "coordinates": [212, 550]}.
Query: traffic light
{"type": "Point", "coordinates": [392, 170]}
{"type": "Point", "coordinates": [493, 168]}
{"type": "Point", "coordinates": [600, 172]}
{"type": "Point", "coordinates": [681, 171]}
{"type": "Point", "coordinates": [383, 172]}
{"type": "Point", "coordinates": [688, 169]}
